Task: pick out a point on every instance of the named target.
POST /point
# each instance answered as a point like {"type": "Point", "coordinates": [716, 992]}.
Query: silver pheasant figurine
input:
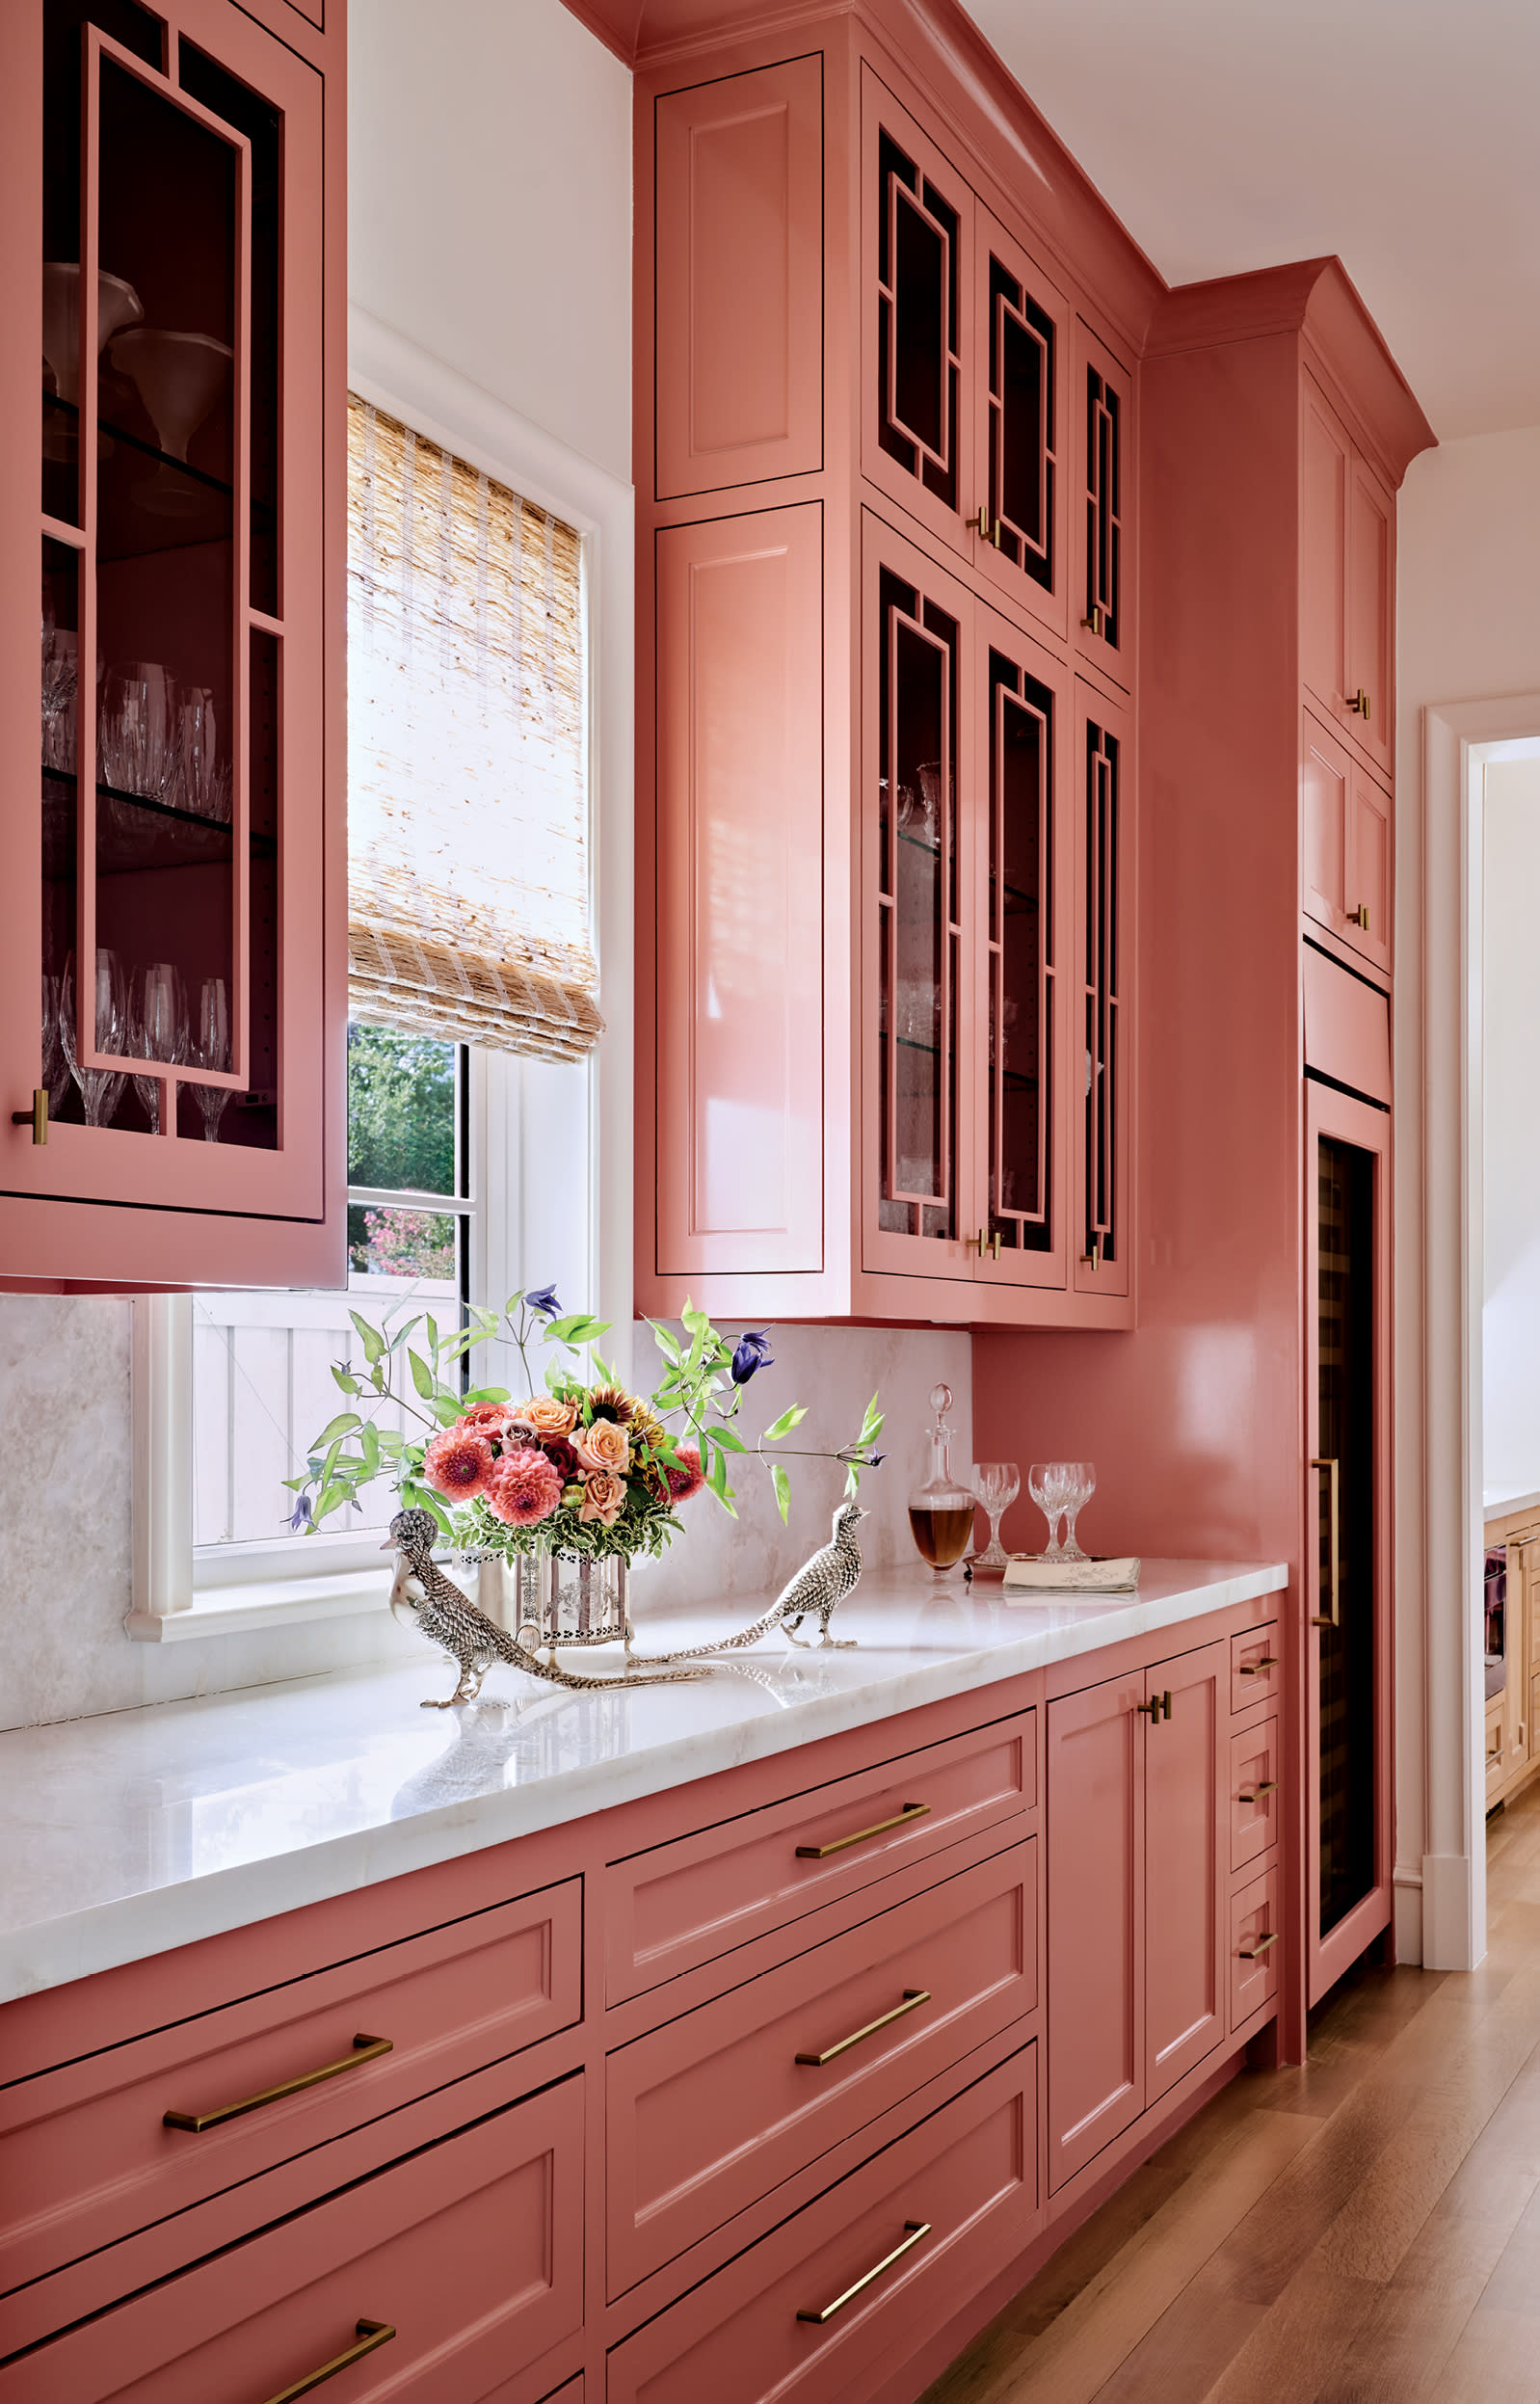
{"type": "Point", "coordinates": [423, 1598]}
{"type": "Point", "coordinates": [818, 1585]}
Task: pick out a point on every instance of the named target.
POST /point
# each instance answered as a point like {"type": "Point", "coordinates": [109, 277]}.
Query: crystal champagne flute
{"type": "Point", "coordinates": [100, 1088]}
{"type": "Point", "coordinates": [157, 1030]}
{"type": "Point", "coordinates": [212, 1049]}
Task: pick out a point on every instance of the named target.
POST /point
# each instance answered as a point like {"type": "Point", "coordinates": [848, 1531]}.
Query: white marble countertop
{"type": "Point", "coordinates": [138, 1830]}
{"type": "Point", "coordinates": [1497, 1503]}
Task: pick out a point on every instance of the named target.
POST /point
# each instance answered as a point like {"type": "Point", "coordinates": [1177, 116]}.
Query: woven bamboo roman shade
{"type": "Point", "coordinates": [467, 872]}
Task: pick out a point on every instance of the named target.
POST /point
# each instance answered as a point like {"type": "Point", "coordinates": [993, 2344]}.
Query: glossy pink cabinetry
{"type": "Point", "coordinates": [604, 2110]}
{"type": "Point", "coordinates": [181, 169]}
{"type": "Point", "coordinates": [887, 592]}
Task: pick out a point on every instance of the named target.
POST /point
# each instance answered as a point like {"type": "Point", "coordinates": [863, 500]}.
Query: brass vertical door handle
{"type": "Point", "coordinates": [983, 525]}
{"type": "Point", "coordinates": [1094, 620]}
{"type": "Point", "coordinates": [1331, 1619]}
{"type": "Point", "coordinates": [1360, 916]}
{"type": "Point", "coordinates": [37, 1118]}
{"type": "Point", "coordinates": [1358, 705]}
{"type": "Point", "coordinates": [1093, 1258]}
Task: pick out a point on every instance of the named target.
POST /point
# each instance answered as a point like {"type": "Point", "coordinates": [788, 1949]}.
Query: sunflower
{"type": "Point", "coordinates": [613, 1403]}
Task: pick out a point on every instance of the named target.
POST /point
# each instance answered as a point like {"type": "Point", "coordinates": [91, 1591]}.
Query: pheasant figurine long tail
{"type": "Point", "coordinates": [818, 1587]}
{"type": "Point", "coordinates": [424, 1598]}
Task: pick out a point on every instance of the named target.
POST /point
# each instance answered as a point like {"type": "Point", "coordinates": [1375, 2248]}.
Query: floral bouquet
{"type": "Point", "coordinates": [577, 1466]}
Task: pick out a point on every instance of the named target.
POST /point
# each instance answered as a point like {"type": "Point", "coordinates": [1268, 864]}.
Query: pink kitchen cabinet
{"type": "Point", "coordinates": [171, 785]}
{"type": "Point", "coordinates": [1346, 872]}
{"type": "Point", "coordinates": [1348, 580]}
{"type": "Point", "coordinates": [874, 1105]}
{"type": "Point", "coordinates": [1186, 1859]}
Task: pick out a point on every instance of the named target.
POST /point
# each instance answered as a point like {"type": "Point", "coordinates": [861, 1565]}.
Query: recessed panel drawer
{"type": "Point", "coordinates": [1256, 1926]}
{"type": "Point", "coordinates": [671, 1908]}
{"type": "Point", "coordinates": [1254, 1792]}
{"type": "Point", "coordinates": [709, 2113]}
{"type": "Point", "coordinates": [1256, 1670]}
{"type": "Point", "coordinates": [85, 2153]}
{"type": "Point", "coordinates": [447, 2275]}
{"type": "Point", "coordinates": [801, 2316]}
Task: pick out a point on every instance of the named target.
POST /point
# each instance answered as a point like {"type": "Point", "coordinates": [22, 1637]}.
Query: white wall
{"type": "Point", "coordinates": [489, 204]}
{"type": "Point", "coordinates": [1510, 1025]}
{"type": "Point", "coordinates": [1469, 629]}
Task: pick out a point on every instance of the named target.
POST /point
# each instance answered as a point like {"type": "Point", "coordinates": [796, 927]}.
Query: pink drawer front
{"type": "Point", "coordinates": [1255, 1934]}
{"type": "Point", "coordinates": [85, 2154]}
{"type": "Point", "coordinates": [711, 2112]}
{"type": "Point", "coordinates": [1254, 1792]}
{"type": "Point", "coordinates": [945, 2208]}
{"type": "Point", "coordinates": [679, 1905]}
{"type": "Point", "coordinates": [1256, 1669]}
{"type": "Point", "coordinates": [469, 2254]}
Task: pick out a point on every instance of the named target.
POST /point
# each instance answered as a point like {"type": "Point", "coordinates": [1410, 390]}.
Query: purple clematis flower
{"type": "Point", "coordinates": [545, 1302]}
{"type": "Point", "coordinates": [752, 1353]}
{"type": "Point", "coordinates": [302, 1514]}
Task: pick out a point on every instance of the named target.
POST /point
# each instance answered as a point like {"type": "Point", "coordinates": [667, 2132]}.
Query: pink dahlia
{"type": "Point", "coordinates": [459, 1461]}
{"type": "Point", "coordinates": [523, 1488]}
{"type": "Point", "coordinates": [688, 1477]}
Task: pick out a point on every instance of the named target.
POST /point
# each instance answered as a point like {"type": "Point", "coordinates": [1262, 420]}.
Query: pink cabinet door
{"type": "Point", "coordinates": [1371, 615]}
{"type": "Point", "coordinates": [1325, 468]}
{"type": "Point", "coordinates": [798, 2319]}
{"type": "Point", "coordinates": [1256, 1792]}
{"type": "Point", "coordinates": [735, 937]}
{"type": "Point", "coordinates": [177, 821]}
{"type": "Point", "coordinates": [739, 266]}
{"type": "Point", "coordinates": [918, 342]}
{"type": "Point", "coordinates": [708, 2113]}
{"type": "Point", "coordinates": [1101, 1036]}
{"type": "Point", "coordinates": [449, 2276]}
{"type": "Point", "coordinates": [1103, 590]}
{"type": "Point", "coordinates": [1023, 448]}
{"type": "Point", "coordinates": [1345, 844]}
{"type": "Point", "coordinates": [1186, 1852]}
{"type": "Point", "coordinates": [1095, 1778]}
{"type": "Point", "coordinates": [922, 1198]}
{"type": "Point", "coordinates": [1024, 906]}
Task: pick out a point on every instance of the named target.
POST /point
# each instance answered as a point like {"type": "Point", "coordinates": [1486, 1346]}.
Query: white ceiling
{"type": "Point", "coordinates": [1402, 134]}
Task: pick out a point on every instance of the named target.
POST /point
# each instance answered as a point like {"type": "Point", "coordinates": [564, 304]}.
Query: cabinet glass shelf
{"type": "Point", "coordinates": [157, 836]}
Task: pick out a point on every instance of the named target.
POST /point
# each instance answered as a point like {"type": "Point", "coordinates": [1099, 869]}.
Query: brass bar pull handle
{"type": "Point", "coordinates": [994, 537]}
{"type": "Point", "coordinates": [1360, 916]}
{"type": "Point", "coordinates": [371, 2334]}
{"type": "Point", "coordinates": [37, 1118]}
{"type": "Point", "coordinates": [915, 2230]}
{"type": "Point", "coordinates": [1264, 1787]}
{"type": "Point", "coordinates": [1257, 1946]}
{"type": "Point", "coordinates": [364, 2049]}
{"type": "Point", "coordinates": [1358, 705]}
{"type": "Point", "coordinates": [1256, 1669]}
{"type": "Point", "coordinates": [913, 1998]}
{"type": "Point", "coordinates": [1094, 620]}
{"type": "Point", "coordinates": [858, 1836]}
{"type": "Point", "coordinates": [980, 523]}
{"type": "Point", "coordinates": [1334, 1617]}
{"type": "Point", "coordinates": [1093, 1258]}
{"type": "Point", "coordinates": [1153, 1708]}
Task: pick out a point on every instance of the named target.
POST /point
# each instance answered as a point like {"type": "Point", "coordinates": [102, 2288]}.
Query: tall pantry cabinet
{"type": "Point", "coordinates": [888, 594]}
{"type": "Point", "coordinates": [171, 529]}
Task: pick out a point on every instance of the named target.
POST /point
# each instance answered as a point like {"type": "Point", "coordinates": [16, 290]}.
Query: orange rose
{"type": "Point", "coordinates": [603, 1445]}
{"type": "Point", "coordinates": [546, 1415]}
{"type": "Point", "coordinates": [603, 1497]}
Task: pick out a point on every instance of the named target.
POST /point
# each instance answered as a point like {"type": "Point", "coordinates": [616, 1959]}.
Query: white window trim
{"type": "Point", "coordinates": [398, 376]}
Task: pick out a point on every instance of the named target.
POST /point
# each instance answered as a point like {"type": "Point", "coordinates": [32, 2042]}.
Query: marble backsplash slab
{"type": "Point", "coordinates": [65, 1496]}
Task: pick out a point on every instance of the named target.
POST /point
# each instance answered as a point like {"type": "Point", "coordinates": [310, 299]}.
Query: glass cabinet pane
{"type": "Point", "coordinates": [918, 905]}
{"type": "Point", "coordinates": [1104, 1031]}
{"type": "Point", "coordinates": [1103, 507]}
{"type": "Point", "coordinates": [918, 366]}
{"type": "Point", "coordinates": [1021, 965]}
{"type": "Point", "coordinates": [161, 733]}
{"type": "Point", "coordinates": [1345, 1429]}
{"type": "Point", "coordinates": [1022, 436]}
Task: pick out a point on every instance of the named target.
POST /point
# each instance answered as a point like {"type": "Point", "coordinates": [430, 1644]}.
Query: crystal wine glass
{"type": "Point", "coordinates": [997, 1483]}
{"type": "Point", "coordinates": [55, 1066]}
{"type": "Point", "coordinates": [157, 1030]}
{"type": "Point", "coordinates": [1079, 1477]}
{"type": "Point", "coordinates": [1045, 1483]}
{"type": "Point", "coordinates": [100, 1088]}
{"type": "Point", "coordinates": [211, 1049]}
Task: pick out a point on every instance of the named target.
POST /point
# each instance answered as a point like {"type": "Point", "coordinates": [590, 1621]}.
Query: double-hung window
{"type": "Point", "coordinates": [473, 1016]}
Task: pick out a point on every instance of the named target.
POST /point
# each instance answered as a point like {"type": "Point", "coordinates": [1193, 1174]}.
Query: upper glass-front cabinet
{"type": "Point", "coordinates": [164, 1000]}
{"type": "Point", "coordinates": [965, 382]}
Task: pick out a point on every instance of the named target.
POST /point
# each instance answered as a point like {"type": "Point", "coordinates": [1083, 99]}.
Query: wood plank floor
{"type": "Point", "coordinates": [1365, 2229]}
